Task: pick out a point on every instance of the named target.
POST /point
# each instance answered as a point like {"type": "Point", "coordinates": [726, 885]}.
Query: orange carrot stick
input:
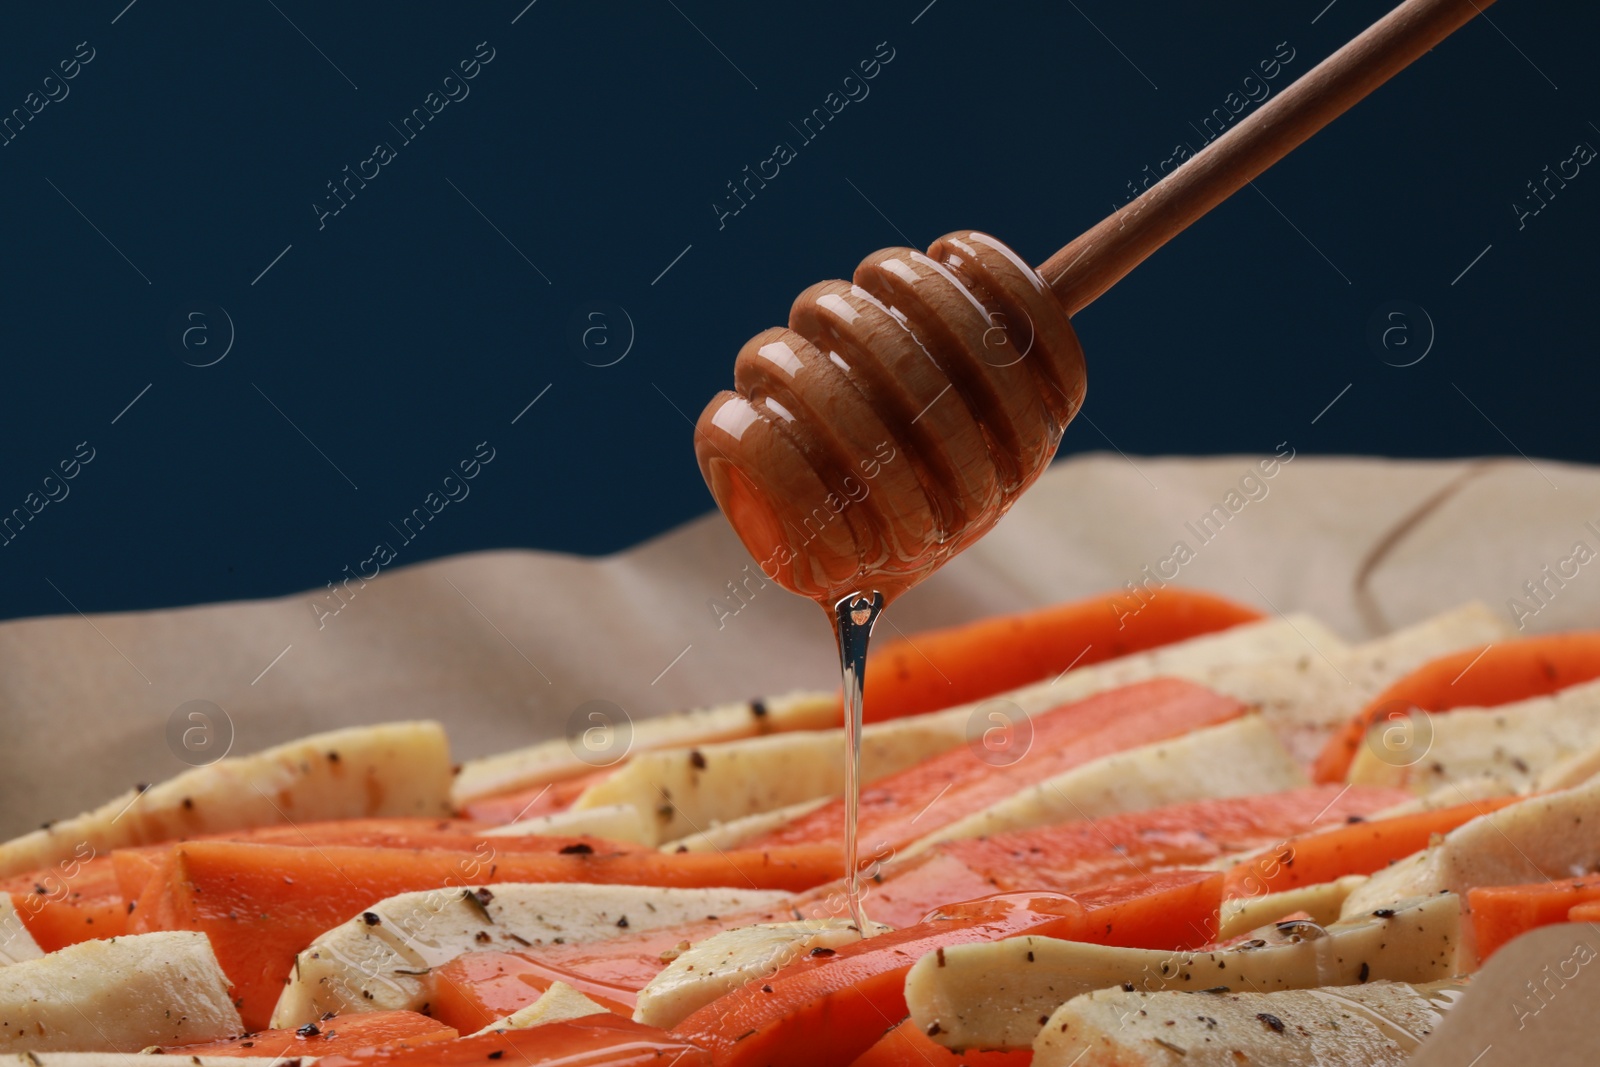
{"type": "Point", "coordinates": [942, 668]}
{"type": "Point", "coordinates": [592, 1041]}
{"type": "Point", "coordinates": [546, 798]}
{"type": "Point", "coordinates": [89, 899]}
{"type": "Point", "coordinates": [341, 1034]}
{"type": "Point", "coordinates": [1076, 854]}
{"type": "Point", "coordinates": [1357, 848]}
{"type": "Point", "coordinates": [1160, 910]}
{"type": "Point", "coordinates": [1485, 676]}
{"type": "Point", "coordinates": [1585, 913]}
{"type": "Point", "coordinates": [1503, 912]}
{"type": "Point", "coordinates": [907, 1046]}
{"type": "Point", "coordinates": [902, 807]}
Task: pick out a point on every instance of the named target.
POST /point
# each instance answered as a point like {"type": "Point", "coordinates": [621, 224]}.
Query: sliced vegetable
{"type": "Point", "coordinates": [614, 822]}
{"type": "Point", "coordinates": [1485, 676]}
{"type": "Point", "coordinates": [473, 990]}
{"type": "Point", "coordinates": [907, 1046]}
{"type": "Point", "coordinates": [107, 996]}
{"type": "Point", "coordinates": [678, 791]}
{"type": "Point", "coordinates": [1503, 912]}
{"type": "Point", "coordinates": [831, 1009]}
{"type": "Point", "coordinates": [1236, 758]}
{"type": "Point", "coordinates": [87, 900]}
{"type": "Point", "coordinates": [1073, 855]}
{"type": "Point", "coordinates": [942, 668]}
{"type": "Point", "coordinates": [56, 924]}
{"type": "Point", "coordinates": [1516, 742]}
{"type": "Point", "coordinates": [1584, 913]}
{"type": "Point", "coordinates": [557, 1004]}
{"type": "Point", "coordinates": [381, 959]}
{"type": "Point", "coordinates": [16, 944]}
{"type": "Point", "coordinates": [391, 769]}
{"type": "Point", "coordinates": [998, 995]}
{"type": "Point", "coordinates": [532, 801]}
{"type": "Point", "coordinates": [903, 807]}
{"type": "Point", "coordinates": [1321, 903]}
{"type": "Point", "coordinates": [1360, 847]}
{"type": "Point", "coordinates": [1160, 910]}
{"type": "Point", "coordinates": [593, 1041]}
{"type": "Point", "coordinates": [1541, 837]}
{"type": "Point", "coordinates": [262, 904]}
{"type": "Point", "coordinates": [1377, 1025]}
{"type": "Point", "coordinates": [723, 962]}
{"type": "Point", "coordinates": [69, 903]}
{"type": "Point", "coordinates": [562, 759]}
{"type": "Point", "coordinates": [326, 1037]}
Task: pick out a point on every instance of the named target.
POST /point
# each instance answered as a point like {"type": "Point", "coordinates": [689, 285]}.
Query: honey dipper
{"type": "Point", "coordinates": [895, 419]}
{"type": "Point", "coordinates": [898, 416]}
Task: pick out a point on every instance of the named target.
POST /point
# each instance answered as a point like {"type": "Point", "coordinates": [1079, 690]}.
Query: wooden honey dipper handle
{"type": "Point", "coordinates": [1099, 258]}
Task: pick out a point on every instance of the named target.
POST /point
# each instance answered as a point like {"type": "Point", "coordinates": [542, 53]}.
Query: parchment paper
{"type": "Point", "coordinates": [503, 646]}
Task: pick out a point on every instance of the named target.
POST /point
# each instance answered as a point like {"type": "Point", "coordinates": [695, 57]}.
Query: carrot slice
{"type": "Point", "coordinates": [1072, 856]}
{"type": "Point", "coordinates": [56, 924]}
{"type": "Point", "coordinates": [907, 893]}
{"type": "Point", "coordinates": [73, 902]}
{"type": "Point", "coordinates": [593, 1041]}
{"type": "Point", "coordinates": [1077, 854]}
{"type": "Point", "coordinates": [942, 668]}
{"type": "Point", "coordinates": [1584, 913]}
{"type": "Point", "coordinates": [902, 807]}
{"type": "Point", "coordinates": [831, 1009]}
{"type": "Point", "coordinates": [547, 798]}
{"type": "Point", "coordinates": [262, 904]}
{"type": "Point", "coordinates": [88, 899]}
{"type": "Point", "coordinates": [1356, 848]}
{"type": "Point", "coordinates": [1485, 676]}
{"type": "Point", "coordinates": [907, 1046]}
{"type": "Point", "coordinates": [1163, 910]}
{"type": "Point", "coordinates": [88, 875]}
{"type": "Point", "coordinates": [342, 1033]}
{"type": "Point", "coordinates": [1503, 912]}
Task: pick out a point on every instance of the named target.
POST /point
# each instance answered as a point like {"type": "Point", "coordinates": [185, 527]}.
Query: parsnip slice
{"type": "Point", "coordinates": [16, 944]}
{"type": "Point", "coordinates": [554, 760]}
{"type": "Point", "coordinates": [117, 995]}
{"type": "Point", "coordinates": [556, 1004]}
{"type": "Point", "coordinates": [1322, 902]}
{"type": "Point", "coordinates": [1552, 836]}
{"type": "Point", "coordinates": [1482, 787]}
{"type": "Point", "coordinates": [379, 960]}
{"type": "Point", "coordinates": [1515, 742]}
{"type": "Point", "coordinates": [723, 835]}
{"type": "Point", "coordinates": [1575, 770]}
{"type": "Point", "coordinates": [998, 994]}
{"type": "Point", "coordinates": [1237, 758]}
{"type": "Point", "coordinates": [1377, 1025]}
{"type": "Point", "coordinates": [1306, 697]}
{"type": "Point", "coordinates": [724, 962]}
{"type": "Point", "coordinates": [394, 769]}
{"type": "Point", "coordinates": [685, 791]}
{"type": "Point", "coordinates": [614, 822]}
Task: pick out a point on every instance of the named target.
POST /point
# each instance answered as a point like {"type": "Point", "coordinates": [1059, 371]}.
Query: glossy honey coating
{"type": "Point", "coordinates": [895, 419]}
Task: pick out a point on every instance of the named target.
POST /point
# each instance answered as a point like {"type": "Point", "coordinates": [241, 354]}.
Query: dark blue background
{"type": "Point", "coordinates": [415, 324]}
